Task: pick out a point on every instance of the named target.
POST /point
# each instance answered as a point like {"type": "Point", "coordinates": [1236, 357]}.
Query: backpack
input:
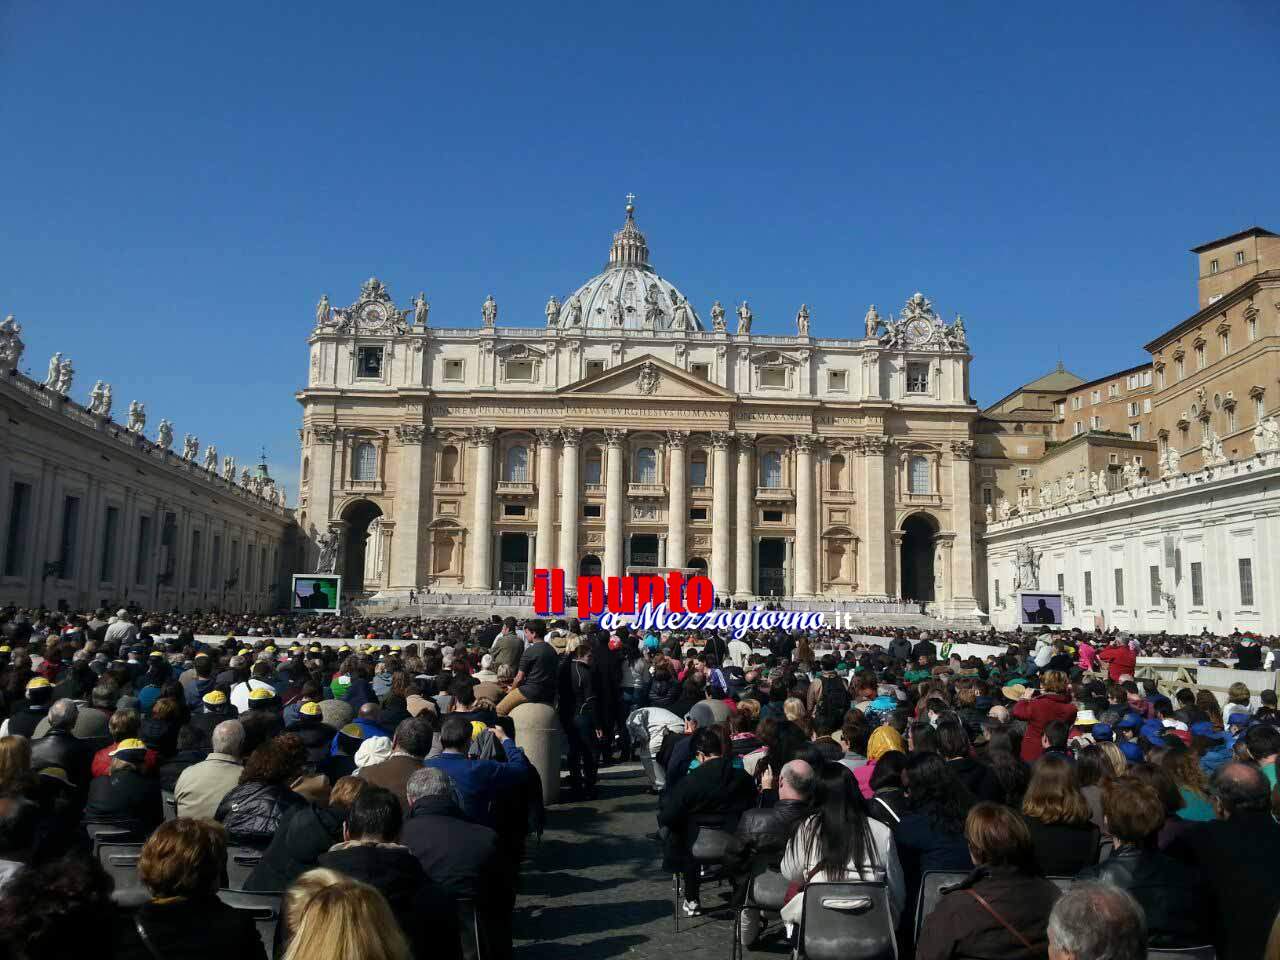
{"type": "Point", "coordinates": [834, 702]}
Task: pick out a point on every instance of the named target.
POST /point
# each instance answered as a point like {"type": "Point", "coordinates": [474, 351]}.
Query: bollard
{"type": "Point", "coordinates": [538, 734]}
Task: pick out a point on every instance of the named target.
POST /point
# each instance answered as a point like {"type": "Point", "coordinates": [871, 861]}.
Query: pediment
{"type": "Point", "coordinates": [646, 377]}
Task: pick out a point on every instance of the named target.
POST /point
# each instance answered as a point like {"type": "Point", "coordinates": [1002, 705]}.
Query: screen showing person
{"type": "Point", "coordinates": [1041, 608]}
{"type": "Point", "coordinates": [316, 593]}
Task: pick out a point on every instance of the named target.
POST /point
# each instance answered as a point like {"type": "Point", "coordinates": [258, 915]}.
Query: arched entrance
{"type": "Point", "coordinates": [918, 531]}
{"type": "Point", "coordinates": [698, 565]}
{"type": "Point", "coordinates": [357, 562]}
{"type": "Point", "coordinates": [590, 566]}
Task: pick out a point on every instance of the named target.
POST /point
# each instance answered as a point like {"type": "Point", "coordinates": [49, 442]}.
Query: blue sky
{"type": "Point", "coordinates": [179, 183]}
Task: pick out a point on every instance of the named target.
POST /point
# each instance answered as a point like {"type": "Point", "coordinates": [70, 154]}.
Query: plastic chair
{"type": "Point", "coordinates": [765, 891]}
{"type": "Point", "coordinates": [120, 860]}
{"type": "Point", "coordinates": [469, 929]}
{"type": "Point", "coordinates": [170, 805]}
{"type": "Point", "coordinates": [933, 885]}
{"type": "Point", "coordinates": [1182, 953]}
{"type": "Point", "coordinates": [240, 863]}
{"type": "Point", "coordinates": [100, 833]}
{"type": "Point", "coordinates": [263, 907]}
{"type": "Point", "coordinates": [709, 849]}
{"type": "Point", "coordinates": [846, 921]}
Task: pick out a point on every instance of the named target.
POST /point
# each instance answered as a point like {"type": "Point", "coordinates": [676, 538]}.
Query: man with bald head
{"type": "Point", "coordinates": [763, 832]}
{"type": "Point", "coordinates": [1236, 855]}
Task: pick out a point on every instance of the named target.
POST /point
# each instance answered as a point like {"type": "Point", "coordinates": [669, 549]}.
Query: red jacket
{"type": "Point", "coordinates": [1119, 660]}
{"type": "Point", "coordinates": [1039, 713]}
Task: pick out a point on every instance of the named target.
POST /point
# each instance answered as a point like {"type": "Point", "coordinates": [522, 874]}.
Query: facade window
{"type": "Point", "coordinates": [918, 475]}
{"type": "Point", "coordinates": [1224, 341]}
{"type": "Point", "coordinates": [1113, 390]}
{"type": "Point", "coordinates": [835, 472]}
{"type": "Point", "coordinates": [1179, 367]}
{"type": "Point", "coordinates": [996, 591]}
{"type": "Point", "coordinates": [1095, 423]}
{"type": "Point", "coordinates": [1088, 588]}
{"type": "Point", "coordinates": [593, 472]}
{"type": "Point", "coordinates": [215, 563]}
{"type": "Point", "coordinates": [1245, 566]}
{"type": "Point", "coordinates": [110, 528]}
{"type": "Point", "coordinates": [1239, 258]}
{"type": "Point", "coordinates": [646, 465]}
{"type": "Point", "coordinates": [1146, 405]}
{"type": "Point", "coordinates": [698, 469]}
{"type": "Point", "coordinates": [595, 368]}
{"type": "Point", "coordinates": [1197, 584]}
{"type": "Point", "coordinates": [697, 513]}
{"type": "Point", "coordinates": [917, 378]}
{"type": "Point", "coordinates": [1077, 403]}
{"type": "Point", "coordinates": [1062, 581]}
{"type": "Point", "coordinates": [1259, 408]}
{"type": "Point", "coordinates": [517, 465]}
{"type": "Point", "coordinates": [449, 465]}
{"type": "Point", "coordinates": [193, 568]}
{"type": "Point", "coordinates": [144, 549]}
{"type": "Point", "coordinates": [453, 369]}
{"type": "Point", "coordinates": [771, 516]}
{"type": "Point", "coordinates": [364, 462]}
{"type": "Point", "coordinates": [1095, 397]}
{"type": "Point", "coordinates": [1135, 431]}
{"type": "Point", "coordinates": [1213, 266]}
{"type": "Point", "coordinates": [1060, 409]}
{"type": "Point", "coordinates": [1119, 586]}
{"type": "Point", "coordinates": [771, 470]}
{"type": "Point", "coordinates": [591, 511]}
{"type": "Point", "coordinates": [838, 381]}
{"type": "Point", "coordinates": [1251, 324]}
{"type": "Point", "coordinates": [519, 370]}
{"type": "Point", "coordinates": [1199, 356]}
{"type": "Point", "coordinates": [1231, 419]}
{"type": "Point", "coordinates": [306, 469]}
{"type": "Point", "coordinates": [369, 363]}
{"type": "Point", "coordinates": [773, 376]}
{"type": "Point", "coordinates": [1160, 377]}
{"type": "Point", "coordinates": [1155, 585]}
{"type": "Point", "coordinates": [988, 496]}
{"type": "Point", "coordinates": [513, 509]}
{"type": "Point", "coordinates": [70, 534]}
{"type": "Point", "coordinates": [15, 546]}
{"type": "Point", "coordinates": [700, 370]}
{"type": "Point", "coordinates": [1077, 428]}
{"type": "Point", "coordinates": [1132, 408]}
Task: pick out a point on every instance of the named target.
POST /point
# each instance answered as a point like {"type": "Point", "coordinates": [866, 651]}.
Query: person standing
{"type": "Point", "coordinates": [578, 703]}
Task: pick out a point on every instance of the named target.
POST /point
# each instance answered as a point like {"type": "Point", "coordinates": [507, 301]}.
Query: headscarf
{"type": "Point", "coordinates": [882, 740]}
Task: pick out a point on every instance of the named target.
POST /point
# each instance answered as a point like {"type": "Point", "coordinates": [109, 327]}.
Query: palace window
{"type": "Point", "coordinates": [591, 511]}
{"type": "Point", "coordinates": [449, 465]}
{"type": "Point", "coordinates": [1199, 356]}
{"type": "Point", "coordinates": [1231, 419]}
{"type": "Point", "coordinates": [1095, 396]}
{"type": "Point", "coordinates": [1135, 431]}
{"type": "Point", "coordinates": [1259, 408]}
{"type": "Point", "coordinates": [771, 470]}
{"type": "Point", "coordinates": [1224, 342]}
{"type": "Point", "coordinates": [918, 475]}
{"type": "Point", "coordinates": [1160, 377]}
{"type": "Point", "coordinates": [1088, 588]}
{"type": "Point", "coordinates": [1077, 403]}
{"type": "Point", "coordinates": [369, 363]}
{"type": "Point", "coordinates": [453, 369]}
{"type": "Point", "coordinates": [700, 370]}
{"type": "Point", "coordinates": [517, 465]}
{"type": "Point", "coordinates": [1119, 586]}
{"type": "Point", "coordinates": [1113, 390]}
{"type": "Point", "coordinates": [1155, 586]}
{"type": "Point", "coordinates": [1239, 258]}
{"type": "Point", "coordinates": [996, 591]}
{"type": "Point", "coordinates": [1251, 324]}
{"type": "Point", "coordinates": [364, 462]}
{"type": "Point", "coordinates": [1077, 428]}
{"type": "Point", "coordinates": [1213, 266]}
{"type": "Point", "coordinates": [646, 465]}
{"type": "Point", "coordinates": [773, 376]}
{"type": "Point", "coordinates": [698, 469]}
{"type": "Point", "coordinates": [15, 547]}
{"type": "Point", "coordinates": [592, 474]}
{"type": "Point", "coordinates": [1095, 423]}
{"type": "Point", "coordinates": [988, 496]}
{"type": "Point", "coordinates": [595, 368]}
{"type": "Point", "coordinates": [1245, 566]}
{"type": "Point", "coordinates": [697, 513]}
{"type": "Point", "coordinates": [519, 370]}
{"type": "Point", "coordinates": [1197, 584]}
{"type": "Point", "coordinates": [836, 472]}
{"type": "Point", "coordinates": [917, 378]}
{"type": "Point", "coordinates": [513, 510]}
{"type": "Point", "coordinates": [1179, 367]}
{"type": "Point", "coordinates": [838, 381]}
{"type": "Point", "coordinates": [771, 516]}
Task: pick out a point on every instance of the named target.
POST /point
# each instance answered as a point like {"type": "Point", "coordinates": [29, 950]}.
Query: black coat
{"type": "Point", "coordinates": [763, 833]}
{"type": "Point", "coordinates": [316, 737]}
{"type": "Point", "coordinates": [198, 929]}
{"type": "Point", "coordinates": [306, 833]}
{"type": "Point", "coordinates": [716, 795]}
{"type": "Point", "coordinates": [982, 783]}
{"type": "Point", "coordinates": [1171, 894]}
{"type": "Point", "coordinates": [59, 748]}
{"type": "Point", "coordinates": [128, 799]}
{"type": "Point", "coordinates": [426, 914]}
{"type": "Point", "coordinates": [1064, 849]}
{"type": "Point", "coordinates": [462, 857]}
{"type": "Point", "coordinates": [253, 812]}
{"type": "Point", "coordinates": [1236, 859]}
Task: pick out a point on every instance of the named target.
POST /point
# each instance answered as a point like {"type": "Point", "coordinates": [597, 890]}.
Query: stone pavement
{"type": "Point", "coordinates": [595, 887]}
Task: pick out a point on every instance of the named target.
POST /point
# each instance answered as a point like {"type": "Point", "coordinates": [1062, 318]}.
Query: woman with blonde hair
{"type": "Point", "coordinates": [15, 762]}
{"type": "Point", "coordinates": [343, 919]}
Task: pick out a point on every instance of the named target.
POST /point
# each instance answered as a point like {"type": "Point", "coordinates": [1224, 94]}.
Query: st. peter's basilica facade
{"type": "Point", "coordinates": [627, 434]}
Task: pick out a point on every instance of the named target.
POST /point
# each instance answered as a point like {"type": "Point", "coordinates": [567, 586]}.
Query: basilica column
{"type": "Point", "coordinates": [678, 505]}
{"type": "Point", "coordinates": [874, 448]}
{"type": "Point", "coordinates": [320, 487]}
{"type": "Point", "coordinates": [615, 499]}
{"type": "Point", "coordinates": [546, 546]}
{"type": "Point", "coordinates": [721, 525]}
{"type": "Point", "coordinates": [405, 572]}
{"type": "Point", "coordinates": [962, 596]}
{"type": "Point", "coordinates": [569, 490]}
{"type": "Point", "coordinates": [744, 575]}
{"type": "Point", "coordinates": [805, 539]}
{"type": "Point", "coordinates": [480, 569]}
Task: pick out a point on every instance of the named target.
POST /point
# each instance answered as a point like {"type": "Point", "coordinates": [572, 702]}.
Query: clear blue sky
{"type": "Point", "coordinates": [180, 182]}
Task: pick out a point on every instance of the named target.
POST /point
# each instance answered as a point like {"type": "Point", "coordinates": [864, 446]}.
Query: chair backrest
{"type": "Point", "coordinates": [933, 884]}
{"type": "Point", "coordinates": [265, 909]}
{"type": "Point", "coordinates": [711, 845]}
{"type": "Point", "coordinates": [469, 929]}
{"type": "Point", "coordinates": [120, 860]}
{"type": "Point", "coordinates": [847, 921]}
{"type": "Point", "coordinates": [170, 805]}
{"type": "Point", "coordinates": [1182, 953]}
{"type": "Point", "coordinates": [1062, 883]}
{"type": "Point", "coordinates": [240, 863]}
{"type": "Point", "coordinates": [100, 833]}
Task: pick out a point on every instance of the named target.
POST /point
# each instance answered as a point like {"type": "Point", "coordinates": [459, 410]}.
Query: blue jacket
{"type": "Point", "coordinates": [370, 730]}
{"type": "Point", "coordinates": [1215, 757]}
{"type": "Point", "coordinates": [479, 782]}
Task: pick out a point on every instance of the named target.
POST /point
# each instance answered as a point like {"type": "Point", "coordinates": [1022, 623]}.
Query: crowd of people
{"type": "Point", "coordinates": [375, 781]}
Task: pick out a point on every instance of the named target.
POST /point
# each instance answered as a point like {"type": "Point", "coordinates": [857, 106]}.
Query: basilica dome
{"type": "Point", "coordinates": [628, 294]}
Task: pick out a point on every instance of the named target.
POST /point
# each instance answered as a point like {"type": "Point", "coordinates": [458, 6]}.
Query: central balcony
{"type": "Point", "coordinates": [651, 491]}
{"type": "Point", "coordinates": [775, 494]}
{"type": "Point", "coordinates": [515, 488]}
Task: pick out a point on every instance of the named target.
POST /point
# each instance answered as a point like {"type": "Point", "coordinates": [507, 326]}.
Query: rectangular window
{"type": "Point", "coordinates": [700, 370]}
{"type": "Point", "coordinates": [1213, 266]}
{"type": "Point", "coordinates": [1160, 375]}
{"type": "Point", "coordinates": [988, 497]}
{"type": "Point", "coordinates": [988, 471]}
{"type": "Point", "coordinates": [70, 532]}
{"type": "Point", "coordinates": [698, 473]}
{"type": "Point", "coordinates": [1135, 431]}
{"type": "Point", "coordinates": [591, 511]}
{"type": "Point", "coordinates": [1119, 586]}
{"type": "Point", "coordinates": [996, 589]}
{"type": "Point", "coordinates": [513, 509]}
{"type": "Point", "coordinates": [1155, 586]}
{"type": "Point", "coordinates": [1095, 397]}
{"type": "Point", "coordinates": [193, 572]}
{"type": "Point", "coordinates": [1062, 583]}
{"type": "Point", "coordinates": [15, 546]}
{"type": "Point", "coordinates": [1113, 458]}
{"type": "Point", "coordinates": [1024, 473]}
{"type": "Point", "coordinates": [1252, 326]}
{"type": "Point", "coordinates": [1146, 405]}
{"type": "Point", "coordinates": [369, 363]}
{"type": "Point", "coordinates": [1060, 409]}
{"type": "Point", "coordinates": [1088, 588]}
{"type": "Point", "coordinates": [1095, 423]}
{"type": "Point", "coordinates": [144, 549]}
{"type": "Point", "coordinates": [519, 370]}
{"type": "Point", "coordinates": [1180, 368]}
{"type": "Point", "coordinates": [110, 527]}
{"type": "Point", "coordinates": [1077, 403]}
{"type": "Point", "coordinates": [917, 378]}
{"type": "Point", "coordinates": [772, 516]}
{"type": "Point", "coordinates": [1132, 407]}
{"type": "Point", "coordinates": [215, 563]}
{"type": "Point", "coordinates": [1113, 390]}
{"type": "Point", "coordinates": [592, 474]}
{"type": "Point", "coordinates": [774, 376]}
{"type": "Point", "coordinates": [838, 381]}
{"type": "Point", "coordinates": [1231, 419]}
{"type": "Point", "coordinates": [1224, 342]}
{"type": "Point", "coordinates": [1246, 581]}
{"type": "Point", "coordinates": [697, 513]}
{"type": "Point", "coordinates": [1197, 584]}
{"type": "Point", "coordinates": [595, 368]}
{"type": "Point", "coordinates": [453, 369]}
{"type": "Point", "coordinates": [1259, 409]}
{"type": "Point", "coordinates": [1078, 428]}
{"type": "Point", "coordinates": [1200, 358]}
{"type": "Point", "coordinates": [1239, 258]}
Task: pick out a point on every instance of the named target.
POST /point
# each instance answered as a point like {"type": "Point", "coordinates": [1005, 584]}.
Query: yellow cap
{"type": "Point", "coordinates": [244, 652]}
{"type": "Point", "coordinates": [269, 649]}
{"type": "Point", "coordinates": [310, 709]}
{"type": "Point", "coordinates": [5, 648]}
{"type": "Point", "coordinates": [131, 745]}
{"type": "Point", "coordinates": [38, 683]}
{"type": "Point", "coordinates": [261, 693]}
{"type": "Point", "coordinates": [344, 649]}
{"type": "Point", "coordinates": [215, 698]}
{"type": "Point", "coordinates": [353, 730]}
{"type": "Point", "coordinates": [56, 773]}
{"type": "Point", "coordinates": [157, 653]}
{"type": "Point", "coordinates": [477, 728]}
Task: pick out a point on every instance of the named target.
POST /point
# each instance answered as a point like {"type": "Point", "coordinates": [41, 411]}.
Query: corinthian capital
{"type": "Point", "coordinates": [480, 436]}
{"type": "Point", "coordinates": [962, 449]}
{"type": "Point", "coordinates": [746, 441]}
{"type": "Point", "coordinates": [324, 433]}
{"type": "Point", "coordinates": [721, 440]}
{"type": "Point", "coordinates": [875, 445]}
{"type": "Point", "coordinates": [676, 439]}
{"type": "Point", "coordinates": [571, 436]}
{"type": "Point", "coordinates": [411, 432]}
{"type": "Point", "coordinates": [614, 437]}
{"type": "Point", "coordinates": [806, 443]}
{"type": "Point", "coordinates": [547, 436]}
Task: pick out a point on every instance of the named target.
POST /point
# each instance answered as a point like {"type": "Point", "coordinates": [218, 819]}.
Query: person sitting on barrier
{"type": "Point", "coordinates": [181, 866]}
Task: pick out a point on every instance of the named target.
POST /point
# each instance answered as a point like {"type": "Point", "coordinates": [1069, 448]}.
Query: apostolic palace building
{"type": "Point", "coordinates": [629, 431]}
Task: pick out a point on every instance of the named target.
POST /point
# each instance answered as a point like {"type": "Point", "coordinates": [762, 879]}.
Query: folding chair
{"type": "Point", "coordinates": [846, 921]}
{"type": "Point", "coordinates": [934, 884]}
{"type": "Point", "coordinates": [170, 805]}
{"type": "Point", "coordinates": [469, 929]}
{"type": "Point", "coordinates": [108, 833]}
{"type": "Point", "coordinates": [240, 863]}
{"type": "Point", "coordinates": [710, 847]}
{"type": "Point", "coordinates": [763, 891]}
{"type": "Point", "coordinates": [263, 907]}
{"type": "Point", "coordinates": [120, 860]}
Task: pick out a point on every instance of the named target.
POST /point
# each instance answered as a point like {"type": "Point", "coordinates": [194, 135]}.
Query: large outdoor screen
{"type": "Point", "coordinates": [316, 592]}
{"type": "Point", "coordinates": [1040, 608]}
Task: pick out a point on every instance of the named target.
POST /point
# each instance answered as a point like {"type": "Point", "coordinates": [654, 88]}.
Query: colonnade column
{"type": "Point", "coordinates": [409, 487]}
{"type": "Point", "coordinates": [743, 574]}
{"type": "Point", "coordinates": [615, 496]}
{"type": "Point", "coordinates": [678, 505]}
{"type": "Point", "coordinates": [805, 541]}
{"type": "Point", "coordinates": [569, 490]}
{"type": "Point", "coordinates": [721, 524]}
{"type": "Point", "coordinates": [873, 449]}
{"type": "Point", "coordinates": [544, 557]}
{"type": "Point", "coordinates": [480, 569]}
